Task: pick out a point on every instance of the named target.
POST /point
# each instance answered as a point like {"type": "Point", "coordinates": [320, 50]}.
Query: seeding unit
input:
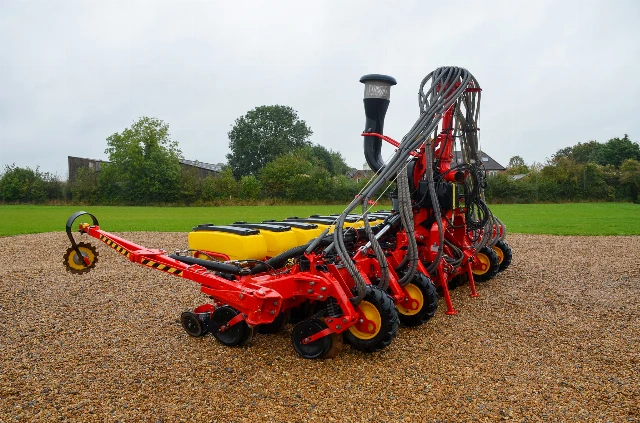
{"type": "Point", "coordinates": [348, 277]}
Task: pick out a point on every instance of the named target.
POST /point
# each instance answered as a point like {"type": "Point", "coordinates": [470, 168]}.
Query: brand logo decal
{"type": "Point", "coordinates": [378, 91]}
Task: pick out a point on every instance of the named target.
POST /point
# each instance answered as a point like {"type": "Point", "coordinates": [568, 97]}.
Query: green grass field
{"type": "Point", "coordinates": [570, 218]}
{"type": "Point", "coordinates": [556, 219]}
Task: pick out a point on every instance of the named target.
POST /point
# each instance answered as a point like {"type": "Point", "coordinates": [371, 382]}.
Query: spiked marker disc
{"type": "Point", "coordinates": [84, 264]}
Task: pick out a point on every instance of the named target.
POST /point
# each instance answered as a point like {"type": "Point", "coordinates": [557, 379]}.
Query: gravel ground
{"type": "Point", "coordinates": [556, 337]}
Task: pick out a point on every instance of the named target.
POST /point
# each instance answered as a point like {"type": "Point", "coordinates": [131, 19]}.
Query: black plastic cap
{"type": "Point", "coordinates": [378, 77]}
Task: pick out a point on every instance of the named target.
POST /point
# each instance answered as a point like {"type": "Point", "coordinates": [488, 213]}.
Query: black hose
{"type": "Point", "coordinates": [209, 264]}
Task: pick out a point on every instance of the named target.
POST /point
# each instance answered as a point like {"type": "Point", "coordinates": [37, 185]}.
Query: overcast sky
{"type": "Point", "coordinates": [553, 73]}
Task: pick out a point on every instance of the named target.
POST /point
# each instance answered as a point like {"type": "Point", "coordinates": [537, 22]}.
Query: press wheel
{"type": "Point", "coordinates": [192, 324]}
{"type": "Point", "coordinates": [238, 334]}
{"type": "Point", "coordinates": [326, 347]}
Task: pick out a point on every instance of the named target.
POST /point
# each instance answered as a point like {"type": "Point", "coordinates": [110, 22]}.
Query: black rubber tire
{"type": "Point", "coordinates": [389, 323]}
{"type": "Point", "coordinates": [277, 325]}
{"type": "Point", "coordinates": [238, 334]}
{"type": "Point", "coordinates": [316, 349]}
{"type": "Point", "coordinates": [192, 325]}
{"type": "Point", "coordinates": [429, 304]}
{"type": "Point", "coordinates": [507, 254]}
{"type": "Point", "coordinates": [494, 265]}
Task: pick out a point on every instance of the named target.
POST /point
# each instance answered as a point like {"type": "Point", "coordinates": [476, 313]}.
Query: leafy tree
{"type": "Point", "coordinates": [54, 188]}
{"type": "Point", "coordinates": [563, 153]}
{"type": "Point", "coordinates": [263, 134]}
{"type": "Point", "coordinates": [617, 150]}
{"type": "Point", "coordinates": [209, 189]}
{"type": "Point", "coordinates": [23, 185]}
{"type": "Point", "coordinates": [562, 180]}
{"type": "Point", "coordinates": [330, 160]}
{"type": "Point", "coordinates": [144, 164]}
{"type": "Point", "coordinates": [85, 187]}
{"type": "Point", "coordinates": [340, 166]}
{"type": "Point", "coordinates": [579, 153]}
{"type": "Point", "coordinates": [110, 185]}
{"type": "Point", "coordinates": [190, 185]}
{"type": "Point", "coordinates": [250, 187]}
{"type": "Point", "coordinates": [296, 176]}
{"type": "Point", "coordinates": [343, 188]}
{"type": "Point", "coordinates": [630, 179]}
{"type": "Point", "coordinates": [277, 175]}
{"type": "Point", "coordinates": [220, 187]}
{"type": "Point", "coordinates": [586, 171]}
{"type": "Point", "coordinates": [594, 185]}
{"type": "Point", "coordinates": [517, 166]}
{"type": "Point", "coordinates": [318, 155]}
{"type": "Point", "coordinates": [585, 153]}
{"type": "Point", "coordinates": [613, 152]}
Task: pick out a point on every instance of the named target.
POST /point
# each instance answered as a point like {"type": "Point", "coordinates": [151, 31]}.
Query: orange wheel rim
{"type": "Point", "coordinates": [371, 313]}
{"type": "Point", "coordinates": [481, 265]}
{"type": "Point", "coordinates": [415, 296]}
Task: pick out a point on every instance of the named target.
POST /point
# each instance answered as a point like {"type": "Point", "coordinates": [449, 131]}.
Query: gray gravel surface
{"type": "Point", "coordinates": [556, 337]}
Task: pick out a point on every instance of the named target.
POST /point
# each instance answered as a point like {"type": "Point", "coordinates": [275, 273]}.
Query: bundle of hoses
{"type": "Point", "coordinates": [494, 231]}
{"type": "Point", "coordinates": [478, 216]}
{"type": "Point", "coordinates": [406, 217]}
{"type": "Point", "coordinates": [446, 85]}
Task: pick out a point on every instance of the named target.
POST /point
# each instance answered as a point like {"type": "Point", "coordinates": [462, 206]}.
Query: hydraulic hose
{"type": "Point", "coordinates": [406, 215]}
{"type": "Point", "coordinates": [446, 86]}
{"type": "Point", "coordinates": [436, 210]}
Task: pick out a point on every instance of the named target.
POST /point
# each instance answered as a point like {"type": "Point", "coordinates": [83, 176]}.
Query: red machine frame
{"type": "Point", "coordinates": [259, 298]}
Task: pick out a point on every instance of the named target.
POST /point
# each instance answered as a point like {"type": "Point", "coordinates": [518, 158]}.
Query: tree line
{"type": "Point", "coordinates": [590, 171]}
{"type": "Point", "coordinates": [272, 159]}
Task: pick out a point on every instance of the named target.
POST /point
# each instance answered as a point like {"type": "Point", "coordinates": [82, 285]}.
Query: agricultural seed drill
{"type": "Point", "coordinates": [344, 284]}
{"type": "Point", "coordinates": [447, 226]}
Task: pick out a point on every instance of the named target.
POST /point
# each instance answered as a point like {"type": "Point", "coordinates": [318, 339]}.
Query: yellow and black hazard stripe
{"type": "Point", "coordinates": [161, 266]}
{"type": "Point", "coordinates": [115, 246]}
